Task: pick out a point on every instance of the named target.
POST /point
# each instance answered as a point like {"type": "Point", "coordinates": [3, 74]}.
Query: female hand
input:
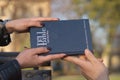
{"type": "Point", "coordinates": [23, 25]}
{"type": "Point", "coordinates": [31, 58]}
{"type": "Point", "coordinates": [91, 68]}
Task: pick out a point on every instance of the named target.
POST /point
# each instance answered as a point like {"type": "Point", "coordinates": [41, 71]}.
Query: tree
{"type": "Point", "coordinates": [104, 11]}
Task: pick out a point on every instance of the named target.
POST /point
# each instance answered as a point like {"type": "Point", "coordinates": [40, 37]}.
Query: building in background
{"type": "Point", "coordinates": [13, 9]}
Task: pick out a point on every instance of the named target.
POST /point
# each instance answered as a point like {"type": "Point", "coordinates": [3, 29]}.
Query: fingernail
{"type": "Point", "coordinates": [58, 19]}
{"type": "Point", "coordinates": [64, 56]}
{"type": "Point", "coordinates": [49, 48]}
{"type": "Point", "coordinates": [87, 51]}
{"type": "Point", "coordinates": [42, 24]}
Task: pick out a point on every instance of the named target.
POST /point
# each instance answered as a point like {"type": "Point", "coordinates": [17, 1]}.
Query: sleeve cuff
{"type": "Point", "coordinates": [10, 71]}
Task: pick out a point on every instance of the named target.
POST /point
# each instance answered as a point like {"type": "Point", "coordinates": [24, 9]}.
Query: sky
{"type": "Point", "coordinates": [61, 9]}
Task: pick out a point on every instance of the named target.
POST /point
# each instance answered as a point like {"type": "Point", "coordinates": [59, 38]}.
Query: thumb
{"type": "Point", "coordinates": [90, 56]}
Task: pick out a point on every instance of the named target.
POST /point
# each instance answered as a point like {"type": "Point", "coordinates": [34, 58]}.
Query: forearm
{"type": "Point", "coordinates": [10, 71]}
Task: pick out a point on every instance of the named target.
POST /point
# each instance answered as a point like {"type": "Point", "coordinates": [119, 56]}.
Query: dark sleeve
{"type": "Point", "coordinates": [10, 71]}
{"type": "Point", "coordinates": [4, 34]}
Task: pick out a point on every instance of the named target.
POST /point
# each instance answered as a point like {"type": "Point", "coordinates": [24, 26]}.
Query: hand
{"type": "Point", "coordinates": [31, 58]}
{"type": "Point", "coordinates": [22, 25]}
{"type": "Point", "coordinates": [91, 68]}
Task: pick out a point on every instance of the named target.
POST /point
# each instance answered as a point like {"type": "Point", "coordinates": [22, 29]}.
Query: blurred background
{"type": "Point", "coordinates": [104, 18]}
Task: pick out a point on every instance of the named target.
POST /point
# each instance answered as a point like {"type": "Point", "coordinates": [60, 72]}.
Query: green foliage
{"type": "Point", "coordinates": [107, 12]}
{"type": "Point", "coordinates": [69, 77]}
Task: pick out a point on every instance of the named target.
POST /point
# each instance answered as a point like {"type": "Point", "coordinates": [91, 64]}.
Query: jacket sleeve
{"type": "Point", "coordinates": [10, 71]}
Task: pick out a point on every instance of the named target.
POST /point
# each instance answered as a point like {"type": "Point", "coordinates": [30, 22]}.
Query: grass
{"type": "Point", "coordinates": [78, 77]}
{"type": "Point", "coordinates": [115, 76]}
{"type": "Point", "coordinates": [69, 77]}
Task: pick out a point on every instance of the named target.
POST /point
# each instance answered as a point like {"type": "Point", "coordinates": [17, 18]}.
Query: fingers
{"type": "Point", "coordinates": [53, 57]}
{"type": "Point", "coordinates": [101, 60]}
{"type": "Point", "coordinates": [44, 19]}
{"type": "Point", "coordinates": [74, 60]}
{"type": "Point", "coordinates": [90, 56]}
{"type": "Point", "coordinates": [37, 22]}
{"type": "Point", "coordinates": [39, 50]}
{"type": "Point", "coordinates": [82, 57]}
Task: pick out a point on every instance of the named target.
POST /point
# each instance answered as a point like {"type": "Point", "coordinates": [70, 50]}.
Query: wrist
{"type": "Point", "coordinates": [19, 62]}
{"type": "Point", "coordinates": [4, 34]}
{"type": "Point", "coordinates": [103, 77]}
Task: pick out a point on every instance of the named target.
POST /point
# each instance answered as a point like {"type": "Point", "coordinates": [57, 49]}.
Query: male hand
{"type": "Point", "coordinates": [23, 25]}
{"type": "Point", "coordinates": [91, 68]}
{"type": "Point", "coordinates": [31, 58]}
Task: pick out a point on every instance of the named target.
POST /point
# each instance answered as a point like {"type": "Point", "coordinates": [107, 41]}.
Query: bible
{"type": "Point", "coordinates": [66, 36]}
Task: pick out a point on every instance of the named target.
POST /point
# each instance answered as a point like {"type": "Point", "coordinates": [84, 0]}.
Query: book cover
{"type": "Point", "coordinates": [65, 36]}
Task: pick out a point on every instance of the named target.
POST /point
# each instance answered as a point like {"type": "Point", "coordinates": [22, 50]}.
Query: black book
{"type": "Point", "coordinates": [65, 36]}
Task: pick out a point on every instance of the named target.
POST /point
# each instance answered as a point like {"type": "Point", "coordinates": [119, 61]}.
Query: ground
{"type": "Point", "coordinates": [115, 76]}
